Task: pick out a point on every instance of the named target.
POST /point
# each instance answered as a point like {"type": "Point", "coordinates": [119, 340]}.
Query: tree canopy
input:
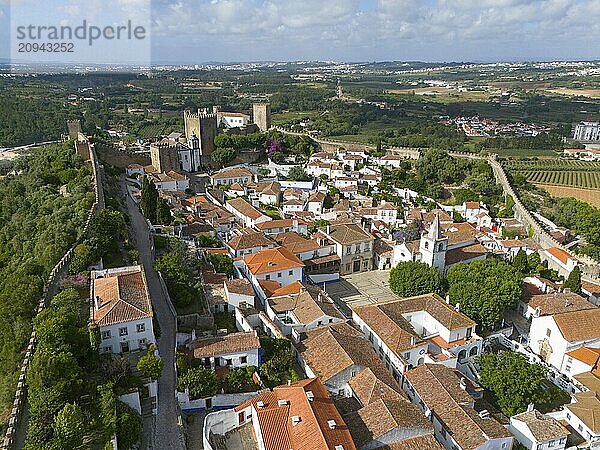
{"type": "Point", "coordinates": [513, 380]}
{"type": "Point", "coordinates": [412, 278]}
{"type": "Point", "coordinates": [484, 289]}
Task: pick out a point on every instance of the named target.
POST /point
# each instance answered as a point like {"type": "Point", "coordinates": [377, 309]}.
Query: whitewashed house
{"type": "Point", "coordinates": [122, 309]}
{"type": "Point", "coordinates": [537, 431]}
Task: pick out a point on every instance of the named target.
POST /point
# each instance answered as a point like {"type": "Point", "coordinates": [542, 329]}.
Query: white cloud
{"type": "Point", "coordinates": [388, 29]}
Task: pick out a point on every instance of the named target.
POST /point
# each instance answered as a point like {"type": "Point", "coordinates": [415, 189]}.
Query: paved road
{"type": "Point", "coordinates": [166, 430]}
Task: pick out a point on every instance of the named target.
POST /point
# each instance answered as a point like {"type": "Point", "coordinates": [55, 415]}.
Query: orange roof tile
{"type": "Point", "coordinates": [587, 355]}
{"type": "Point", "coordinates": [559, 254]}
{"type": "Point", "coordinates": [312, 431]}
{"type": "Point", "coordinates": [272, 260]}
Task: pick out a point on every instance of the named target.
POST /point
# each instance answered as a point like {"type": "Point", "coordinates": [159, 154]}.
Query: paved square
{"type": "Point", "coordinates": [362, 288]}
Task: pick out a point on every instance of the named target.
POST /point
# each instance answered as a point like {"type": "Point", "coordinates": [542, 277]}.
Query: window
{"type": "Point", "coordinates": [106, 349]}
{"type": "Point", "coordinates": [567, 368]}
{"type": "Point", "coordinates": [267, 277]}
{"type": "Point", "coordinates": [123, 331]}
{"type": "Point", "coordinates": [580, 428]}
{"type": "Point", "coordinates": [407, 355]}
{"type": "Point", "coordinates": [106, 334]}
{"type": "Point", "coordinates": [142, 342]}
{"type": "Point", "coordinates": [548, 332]}
{"type": "Point", "coordinates": [426, 244]}
{"type": "Point", "coordinates": [291, 272]}
{"type": "Point", "coordinates": [551, 443]}
{"type": "Point", "coordinates": [278, 274]}
{"type": "Point", "coordinates": [228, 362]}
{"type": "Point", "coordinates": [140, 327]}
{"type": "Point", "coordinates": [568, 415]}
{"type": "Point", "coordinates": [243, 359]}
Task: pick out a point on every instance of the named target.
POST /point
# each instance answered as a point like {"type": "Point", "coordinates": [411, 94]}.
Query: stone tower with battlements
{"type": "Point", "coordinates": [202, 125]}
{"type": "Point", "coordinates": [261, 115]}
{"type": "Point", "coordinates": [74, 127]}
{"type": "Point", "coordinates": [164, 156]}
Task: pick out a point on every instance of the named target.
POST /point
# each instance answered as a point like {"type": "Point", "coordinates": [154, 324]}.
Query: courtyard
{"type": "Point", "coordinates": [361, 289]}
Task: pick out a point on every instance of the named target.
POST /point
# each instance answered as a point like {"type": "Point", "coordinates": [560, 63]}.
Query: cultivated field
{"type": "Point", "coordinates": [591, 196]}
{"type": "Point", "coordinates": [557, 172]}
{"type": "Point", "coordinates": [591, 93]}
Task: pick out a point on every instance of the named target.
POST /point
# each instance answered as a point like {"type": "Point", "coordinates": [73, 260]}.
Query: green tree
{"type": "Point", "coordinates": [484, 289]}
{"type": "Point", "coordinates": [129, 426]}
{"type": "Point", "coordinates": [84, 255]}
{"type": "Point", "coordinates": [514, 382]}
{"type": "Point", "coordinates": [238, 380]}
{"type": "Point", "coordinates": [107, 229]}
{"type": "Point", "coordinates": [520, 262]}
{"type": "Point", "coordinates": [222, 156]}
{"type": "Point", "coordinates": [297, 173]}
{"type": "Point", "coordinates": [163, 212]}
{"type": "Point", "coordinates": [69, 426]}
{"type": "Point", "coordinates": [149, 199]}
{"type": "Point", "coordinates": [68, 299]}
{"type": "Point", "coordinates": [201, 382]}
{"type": "Point", "coordinates": [221, 263]}
{"type": "Point", "coordinates": [573, 281]}
{"type": "Point", "coordinates": [108, 408]}
{"type": "Point", "coordinates": [150, 365]}
{"type": "Point", "coordinates": [412, 278]}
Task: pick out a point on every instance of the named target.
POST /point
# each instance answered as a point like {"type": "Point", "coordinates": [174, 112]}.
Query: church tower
{"type": "Point", "coordinates": [433, 246]}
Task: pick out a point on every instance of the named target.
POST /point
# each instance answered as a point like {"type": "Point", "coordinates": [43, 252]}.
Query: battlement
{"type": "Point", "coordinates": [187, 114]}
{"type": "Point", "coordinates": [163, 145]}
{"type": "Point", "coordinates": [208, 116]}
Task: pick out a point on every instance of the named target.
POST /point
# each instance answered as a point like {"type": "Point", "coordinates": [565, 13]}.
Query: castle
{"type": "Point", "coordinates": [192, 153]}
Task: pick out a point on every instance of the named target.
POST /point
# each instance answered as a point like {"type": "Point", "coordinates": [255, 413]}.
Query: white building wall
{"type": "Point", "coordinates": [112, 337]}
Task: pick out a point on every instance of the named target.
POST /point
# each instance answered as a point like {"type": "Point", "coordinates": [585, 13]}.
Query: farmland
{"type": "Point", "coordinates": [579, 174]}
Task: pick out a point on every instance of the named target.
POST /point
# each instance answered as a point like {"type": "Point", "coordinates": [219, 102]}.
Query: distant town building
{"type": "Point", "coordinates": [587, 131]}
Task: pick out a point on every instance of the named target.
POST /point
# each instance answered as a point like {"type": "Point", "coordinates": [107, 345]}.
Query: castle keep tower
{"type": "Point", "coordinates": [261, 114]}
{"type": "Point", "coordinates": [203, 126]}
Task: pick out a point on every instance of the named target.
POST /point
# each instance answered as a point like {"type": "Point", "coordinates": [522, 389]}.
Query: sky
{"type": "Point", "coordinates": [198, 31]}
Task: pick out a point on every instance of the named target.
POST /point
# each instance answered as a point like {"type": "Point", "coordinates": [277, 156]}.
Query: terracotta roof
{"type": "Point", "coordinates": [587, 355]}
{"type": "Point", "coordinates": [587, 409]}
{"type": "Point", "coordinates": [305, 302]}
{"type": "Point", "coordinates": [439, 388]}
{"type": "Point", "coordinates": [240, 286]}
{"type": "Point", "coordinates": [265, 187]}
{"type": "Point", "coordinates": [296, 243]}
{"type": "Point", "coordinates": [592, 288]}
{"type": "Point", "coordinates": [458, 233]}
{"type": "Point", "coordinates": [559, 302]}
{"type": "Point", "coordinates": [466, 253]}
{"type": "Point", "coordinates": [542, 427]}
{"type": "Point", "coordinates": [387, 321]}
{"type": "Point", "coordinates": [236, 187]}
{"type": "Point", "coordinates": [245, 208]}
{"type": "Point", "coordinates": [579, 325]}
{"type": "Point", "coordinates": [279, 223]}
{"type": "Point", "coordinates": [121, 297]}
{"type": "Point", "coordinates": [312, 431]}
{"type": "Point", "coordinates": [250, 239]}
{"type": "Point", "coordinates": [559, 254]}
{"type": "Point", "coordinates": [348, 233]}
{"type": "Point", "coordinates": [423, 442]}
{"type": "Point", "coordinates": [232, 173]}
{"type": "Point", "coordinates": [268, 286]}
{"type": "Point", "coordinates": [222, 345]}
{"type": "Point", "coordinates": [334, 348]}
{"type": "Point", "coordinates": [472, 205]}
{"type": "Point", "coordinates": [272, 260]}
{"type": "Point", "coordinates": [317, 197]}
{"type": "Point", "coordinates": [374, 421]}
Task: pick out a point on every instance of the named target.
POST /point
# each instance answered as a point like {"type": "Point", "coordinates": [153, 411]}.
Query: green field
{"type": "Point", "coordinates": [559, 172]}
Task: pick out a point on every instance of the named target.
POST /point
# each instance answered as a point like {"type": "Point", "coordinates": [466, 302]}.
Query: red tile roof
{"type": "Point", "coordinates": [312, 432]}
{"type": "Point", "coordinates": [272, 260]}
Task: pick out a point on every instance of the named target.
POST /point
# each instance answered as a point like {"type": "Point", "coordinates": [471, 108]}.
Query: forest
{"type": "Point", "coordinates": [42, 212]}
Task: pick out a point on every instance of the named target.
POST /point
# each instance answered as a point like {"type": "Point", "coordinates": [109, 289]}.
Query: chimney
{"type": "Point", "coordinates": [310, 396]}
{"type": "Point", "coordinates": [484, 414]}
{"type": "Point", "coordinates": [413, 340]}
{"type": "Point", "coordinates": [289, 382]}
{"type": "Point", "coordinates": [457, 307]}
{"type": "Point", "coordinates": [97, 302]}
{"type": "Point", "coordinates": [463, 383]}
{"type": "Point", "coordinates": [530, 407]}
{"type": "Point", "coordinates": [331, 424]}
{"type": "Point", "coordinates": [260, 404]}
{"type": "Point", "coordinates": [282, 402]}
{"type": "Point", "coordinates": [295, 420]}
{"type": "Point", "coordinates": [448, 299]}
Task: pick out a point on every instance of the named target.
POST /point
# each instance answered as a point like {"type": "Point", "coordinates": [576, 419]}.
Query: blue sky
{"type": "Point", "coordinates": [196, 31]}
